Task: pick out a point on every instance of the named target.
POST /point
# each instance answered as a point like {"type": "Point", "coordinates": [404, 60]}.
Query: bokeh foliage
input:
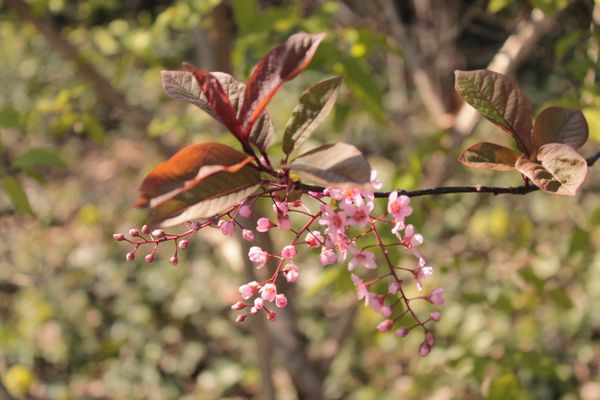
{"type": "Point", "coordinates": [522, 274]}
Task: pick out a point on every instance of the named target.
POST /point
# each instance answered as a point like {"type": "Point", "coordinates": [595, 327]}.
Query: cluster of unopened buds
{"type": "Point", "coordinates": [343, 225]}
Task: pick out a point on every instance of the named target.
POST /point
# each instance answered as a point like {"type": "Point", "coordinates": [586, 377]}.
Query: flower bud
{"type": "Point", "coordinates": [183, 244]}
{"type": "Point", "coordinates": [281, 301]}
{"type": "Point", "coordinates": [424, 349]}
{"type": "Point", "coordinates": [240, 318]}
{"type": "Point", "coordinates": [271, 316]}
{"type": "Point", "coordinates": [118, 237]}
{"type": "Point", "coordinates": [401, 332]}
{"type": "Point", "coordinates": [195, 225]}
{"type": "Point", "coordinates": [385, 326]}
{"type": "Point", "coordinates": [246, 211]}
{"type": "Point", "coordinates": [174, 260]}
{"type": "Point", "coordinates": [158, 233]}
{"type": "Point", "coordinates": [238, 306]}
{"type": "Point", "coordinates": [134, 233]}
{"type": "Point", "coordinates": [429, 339]}
{"type": "Point", "coordinates": [247, 235]}
{"type": "Point", "coordinates": [149, 257]}
{"type": "Point", "coordinates": [145, 229]}
{"type": "Point", "coordinates": [130, 256]}
{"type": "Point", "coordinates": [435, 316]}
{"type": "Point", "coordinates": [288, 252]}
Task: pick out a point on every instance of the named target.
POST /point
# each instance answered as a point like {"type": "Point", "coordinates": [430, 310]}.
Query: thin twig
{"type": "Point", "coordinates": [519, 190]}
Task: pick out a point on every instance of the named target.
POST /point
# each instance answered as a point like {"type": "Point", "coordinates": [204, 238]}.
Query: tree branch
{"type": "Point", "coordinates": [517, 190]}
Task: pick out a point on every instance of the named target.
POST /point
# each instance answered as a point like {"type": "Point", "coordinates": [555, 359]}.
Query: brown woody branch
{"type": "Point", "coordinates": [517, 190]}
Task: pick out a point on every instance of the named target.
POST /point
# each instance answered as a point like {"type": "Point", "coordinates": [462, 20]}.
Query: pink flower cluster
{"type": "Point", "coordinates": [345, 226]}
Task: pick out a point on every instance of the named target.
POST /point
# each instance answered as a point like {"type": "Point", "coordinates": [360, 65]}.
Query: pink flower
{"type": "Point", "coordinates": [284, 222]}
{"type": "Point", "coordinates": [385, 326]}
{"type": "Point", "coordinates": [246, 211]}
{"type": "Point", "coordinates": [398, 206]}
{"type": "Point", "coordinates": [393, 287]}
{"type": "Point", "coordinates": [436, 297]}
{"type": "Point", "coordinates": [268, 292]}
{"type": "Point", "coordinates": [327, 256]}
{"type": "Point", "coordinates": [375, 301]}
{"type": "Point", "coordinates": [259, 303]}
{"type": "Point", "coordinates": [411, 239]}
{"type": "Point", "coordinates": [334, 193]}
{"type": "Point", "coordinates": [227, 227]}
{"type": "Point", "coordinates": [257, 255]}
{"type": "Point", "coordinates": [288, 252]}
{"type": "Point", "coordinates": [264, 224]}
{"type": "Point", "coordinates": [280, 207]}
{"type": "Point", "coordinates": [334, 221]}
{"type": "Point", "coordinates": [362, 291]}
{"type": "Point", "coordinates": [314, 239]}
{"type": "Point", "coordinates": [247, 235]}
{"type": "Point", "coordinates": [248, 290]}
{"type": "Point", "coordinates": [291, 273]}
{"type": "Point", "coordinates": [375, 183]}
{"type": "Point", "coordinates": [357, 214]}
{"type": "Point", "coordinates": [421, 273]}
{"type": "Point", "coordinates": [281, 301]}
{"type": "Point", "coordinates": [365, 258]}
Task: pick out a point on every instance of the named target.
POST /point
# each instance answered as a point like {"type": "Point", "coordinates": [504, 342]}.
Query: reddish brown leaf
{"type": "Point", "coordinates": [558, 169]}
{"type": "Point", "coordinates": [500, 100]}
{"type": "Point", "coordinates": [560, 125]}
{"type": "Point", "coordinates": [279, 65]}
{"type": "Point", "coordinates": [212, 195]}
{"type": "Point", "coordinates": [216, 98]}
{"type": "Point", "coordinates": [188, 167]}
{"type": "Point", "coordinates": [487, 155]}
{"type": "Point", "coordinates": [337, 164]}
{"type": "Point", "coordinates": [182, 85]}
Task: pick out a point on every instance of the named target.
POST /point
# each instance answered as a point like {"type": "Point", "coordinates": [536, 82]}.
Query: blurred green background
{"type": "Point", "coordinates": [83, 118]}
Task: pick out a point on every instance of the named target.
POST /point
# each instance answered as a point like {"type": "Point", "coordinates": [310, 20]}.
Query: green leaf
{"type": "Point", "coordinates": [550, 7]}
{"type": "Point", "coordinates": [487, 155]}
{"type": "Point", "coordinates": [10, 118]}
{"type": "Point", "coordinates": [364, 86]}
{"type": "Point", "coordinates": [506, 386]}
{"type": "Point", "coordinates": [500, 100]}
{"type": "Point", "coordinates": [560, 298]}
{"type": "Point", "coordinates": [38, 158]}
{"type": "Point", "coordinates": [181, 85]}
{"type": "Point", "coordinates": [334, 164]}
{"type": "Point", "coordinates": [560, 125]}
{"type": "Point", "coordinates": [559, 169]}
{"type": "Point", "coordinates": [244, 13]}
{"type": "Point", "coordinates": [17, 195]}
{"type": "Point", "coordinates": [315, 105]}
{"type": "Point", "coordinates": [495, 6]}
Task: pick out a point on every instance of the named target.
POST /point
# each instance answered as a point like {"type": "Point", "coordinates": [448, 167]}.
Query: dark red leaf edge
{"type": "Point", "coordinates": [281, 64]}
{"type": "Point", "coordinates": [217, 99]}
